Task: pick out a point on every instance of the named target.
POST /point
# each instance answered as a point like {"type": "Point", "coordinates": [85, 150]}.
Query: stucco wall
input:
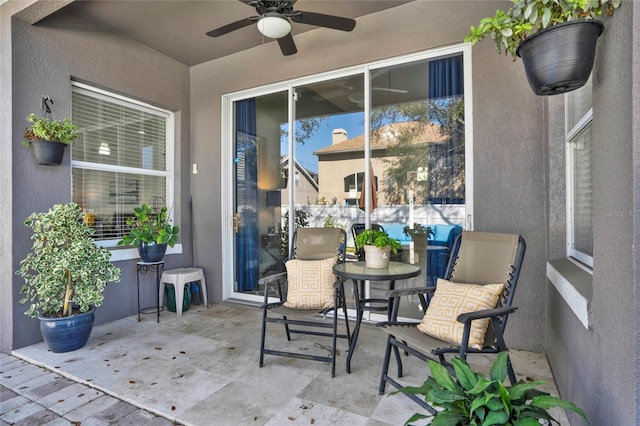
{"type": "Point", "coordinates": [509, 195]}
{"type": "Point", "coordinates": [594, 367]}
{"type": "Point", "coordinates": [45, 57]}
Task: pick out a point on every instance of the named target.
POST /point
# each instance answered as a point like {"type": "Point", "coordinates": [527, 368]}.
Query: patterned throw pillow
{"type": "Point", "coordinates": [453, 299]}
{"type": "Point", "coordinates": [310, 283]}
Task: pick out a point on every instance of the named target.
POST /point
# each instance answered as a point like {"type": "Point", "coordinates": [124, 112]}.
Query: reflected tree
{"type": "Point", "coordinates": [426, 155]}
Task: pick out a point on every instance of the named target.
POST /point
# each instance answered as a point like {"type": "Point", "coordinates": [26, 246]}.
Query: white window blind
{"type": "Point", "coordinates": [121, 159]}
{"type": "Point", "coordinates": [579, 116]}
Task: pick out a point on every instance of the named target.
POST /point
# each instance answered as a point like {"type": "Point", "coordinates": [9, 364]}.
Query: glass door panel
{"type": "Point", "coordinates": [418, 157]}
{"type": "Point", "coordinates": [329, 152]}
{"type": "Point", "coordinates": [258, 185]}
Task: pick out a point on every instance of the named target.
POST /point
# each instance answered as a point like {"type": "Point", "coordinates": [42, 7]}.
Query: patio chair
{"type": "Point", "coordinates": [468, 310]}
{"type": "Point", "coordinates": [307, 292]}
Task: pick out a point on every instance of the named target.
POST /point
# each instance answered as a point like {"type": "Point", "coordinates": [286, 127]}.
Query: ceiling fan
{"type": "Point", "coordinates": [273, 22]}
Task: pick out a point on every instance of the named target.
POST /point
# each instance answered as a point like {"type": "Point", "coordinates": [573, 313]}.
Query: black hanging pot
{"type": "Point", "coordinates": [152, 252]}
{"type": "Point", "coordinates": [559, 59]}
{"type": "Point", "coordinates": [49, 153]}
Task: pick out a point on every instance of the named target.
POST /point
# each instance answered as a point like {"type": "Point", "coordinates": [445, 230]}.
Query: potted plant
{"type": "Point", "coordinates": [48, 138]}
{"type": "Point", "coordinates": [65, 274]}
{"type": "Point", "coordinates": [377, 246]}
{"type": "Point", "coordinates": [150, 232]}
{"type": "Point", "coordinates": [470, 398]}
{"type": "Point", "coordinates": [556, 39]}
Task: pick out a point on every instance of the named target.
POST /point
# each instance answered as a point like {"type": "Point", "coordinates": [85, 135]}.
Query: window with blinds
{"type": "Point", "coordinates": [121, 159]}
{"type": "Point", "coordinates": [579, 115]}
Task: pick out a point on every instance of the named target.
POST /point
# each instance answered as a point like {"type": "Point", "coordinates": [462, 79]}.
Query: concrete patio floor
{"type": "Point", "coordinates": [202, 369]}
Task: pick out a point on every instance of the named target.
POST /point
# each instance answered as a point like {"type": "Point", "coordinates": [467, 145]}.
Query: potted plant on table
{"type": "Point", "coordinates": [377, 246]}
{"type": "Point", "coordinates": [556, 39]}
{"type": "Point", "coordinates": [64, 274]}
{"type": "Point", "coordinates": [150, 232]}
{"type": "Point", "coordinates": [470, 398]}
{"type": "Point", "coordinates": [48, 138]}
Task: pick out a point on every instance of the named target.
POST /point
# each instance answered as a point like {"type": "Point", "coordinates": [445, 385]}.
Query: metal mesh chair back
{"type": "Point", "coordinates": [485, 258]}
{"type": "Point", "coordinates": [319, 243]}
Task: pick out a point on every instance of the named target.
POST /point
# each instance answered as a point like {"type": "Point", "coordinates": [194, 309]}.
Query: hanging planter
{"type": "Point", "coordinates": [559, 59]}
{"type": "Point", "coordinates": [48, 153]}
{"type": "Point", "coordinates": [555, 39]}
{"type": "Point", "coordinates": [48, 138]}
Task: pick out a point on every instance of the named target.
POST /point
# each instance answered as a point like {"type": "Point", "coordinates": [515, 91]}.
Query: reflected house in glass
{"type": "Point", "coordinates": [398, 152]}
{"type": "Point", "coordinates": [305, 181]}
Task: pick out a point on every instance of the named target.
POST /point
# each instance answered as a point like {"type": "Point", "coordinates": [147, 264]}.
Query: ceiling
{"type": "Point", "coordinates": [177, 28]}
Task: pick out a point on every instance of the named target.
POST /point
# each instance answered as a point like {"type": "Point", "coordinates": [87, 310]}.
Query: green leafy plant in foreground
{"type": "Point", "coordinates": [472, 399]}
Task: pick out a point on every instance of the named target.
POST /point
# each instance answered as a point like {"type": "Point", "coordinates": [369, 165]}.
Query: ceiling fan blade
{"type": "Point", "coordinates": [322, 20]}
{"type": "Point", "coordinates": [287, 45]}
{"type": "Point", "coordinates": [225, 29]}
{"type": "Point", "coordinates": [386, 89]}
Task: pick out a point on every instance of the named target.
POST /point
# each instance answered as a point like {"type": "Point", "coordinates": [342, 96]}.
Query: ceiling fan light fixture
{"type": "Point", "coordinates": [356, 97]}
{"type": "Point", "coordinates": [274, 25]}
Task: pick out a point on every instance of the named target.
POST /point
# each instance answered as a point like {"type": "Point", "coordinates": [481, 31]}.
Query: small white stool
{"type": "Point", "coordinates": [180, 277]}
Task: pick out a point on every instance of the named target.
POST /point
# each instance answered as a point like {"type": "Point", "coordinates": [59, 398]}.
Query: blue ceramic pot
{"type": "Point", "coordinates": [67, 333]}
{"type": "Point", "coordinates": [152, 252]}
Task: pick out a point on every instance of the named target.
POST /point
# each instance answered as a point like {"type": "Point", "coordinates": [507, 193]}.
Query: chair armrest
{"type": "Point", "coordinates": [396, 323]}
{"type": "Point", "coordinates": [271, 305]}
{"type": "Point", "coordinates": [339, 283]}
{"type": "Point", "coordinates": [486, 313]}
{"type": "Point", "coordinates": [409, 291]}
{"type": "Point", "coordinates": [271, 278]}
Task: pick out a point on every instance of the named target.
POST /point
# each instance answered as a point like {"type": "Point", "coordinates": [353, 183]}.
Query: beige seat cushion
{"type": "Point", "coordinates": [310, 283]}
{"type": "Point", "coordinates": [452, 299]}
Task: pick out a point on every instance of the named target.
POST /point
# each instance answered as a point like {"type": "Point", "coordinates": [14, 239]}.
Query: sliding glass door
{"type": "Point", "coordinates": [303, 153]}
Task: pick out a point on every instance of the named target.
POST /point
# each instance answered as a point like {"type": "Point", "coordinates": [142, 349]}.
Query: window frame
{"type": "Point", "coordinates": [168, 173]}
{"type": "Point", "coordinates": [584, 260]}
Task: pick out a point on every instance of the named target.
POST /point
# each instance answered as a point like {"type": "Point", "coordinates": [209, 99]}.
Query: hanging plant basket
{"type": "Point", "coordinates": [559, 58]}
{"type": "Point", "coordinates": [49, 153]}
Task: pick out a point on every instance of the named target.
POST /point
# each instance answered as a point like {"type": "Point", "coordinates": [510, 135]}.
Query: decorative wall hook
{"type": "Point", "coordinates": [45, 104]}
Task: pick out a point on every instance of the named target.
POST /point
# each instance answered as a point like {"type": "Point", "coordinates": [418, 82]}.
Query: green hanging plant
{"type": "Point", "coordinates": [47, 129]}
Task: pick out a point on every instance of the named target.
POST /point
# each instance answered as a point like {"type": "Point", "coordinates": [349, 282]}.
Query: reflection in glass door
{"type": "Point", "coordinates": [258, 184]}
{"type": "Point", "coordinates": [417, 136]}
{"type": "Point", "coordinates": [308, 159]}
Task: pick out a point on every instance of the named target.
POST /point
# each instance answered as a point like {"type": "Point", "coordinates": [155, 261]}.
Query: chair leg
{"type": "Point", "coordinates": [263, 335]}
{"type": "Point", "coordinates": [203, 290]}
{"type": "Point", "coordinates": [335, 342]}
{"type": "Point", "coordinates": [178, 287]}
{"type": "Point", "coordinates": [385, 366]}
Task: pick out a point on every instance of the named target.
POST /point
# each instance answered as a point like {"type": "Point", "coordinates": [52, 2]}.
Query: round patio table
{"type": "Point", "coordinates": [358, 273]}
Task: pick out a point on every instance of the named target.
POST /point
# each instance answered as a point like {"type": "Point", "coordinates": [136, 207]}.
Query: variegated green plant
{"type": "Point", "coordinates": [472, 399]}
{"type": "Point", "coordinates": [509, 28]}
{"type": "Point", "coordinates": [65, 268]}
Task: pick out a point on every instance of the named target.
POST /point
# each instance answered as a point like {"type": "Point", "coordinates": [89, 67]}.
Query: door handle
{"type": "Point", "coordinates": [236, 225]}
